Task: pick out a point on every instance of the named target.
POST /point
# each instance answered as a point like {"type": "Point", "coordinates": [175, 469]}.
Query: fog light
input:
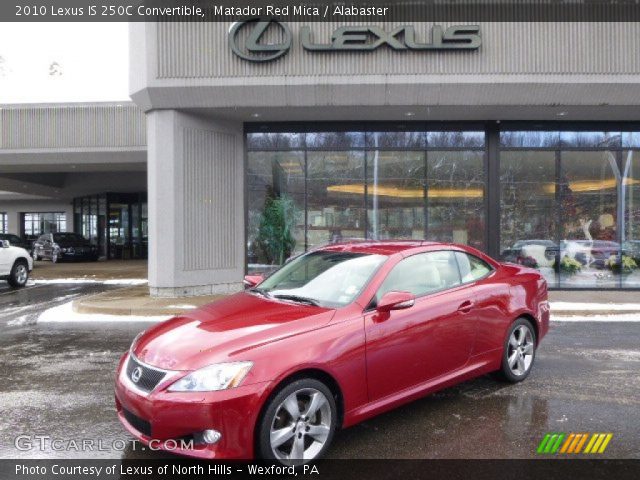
{"type": "Point", "coordinates": [211, 436]}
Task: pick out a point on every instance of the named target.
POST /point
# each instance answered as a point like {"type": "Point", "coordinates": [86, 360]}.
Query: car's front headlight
{"type": "Point", "coordinates": [220, 376]}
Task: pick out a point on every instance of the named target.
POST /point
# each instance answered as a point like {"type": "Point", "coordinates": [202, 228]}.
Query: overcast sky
{"type": "Point", "coordinates": [63, 62]}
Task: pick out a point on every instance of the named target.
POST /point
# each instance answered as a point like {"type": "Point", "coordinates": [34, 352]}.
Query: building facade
{"type": "Point", "coordinates": [76, 167]}
{"type": "Point", "coordinates": [525, 147]}
{"type": "Point", "coordinates": [525, 144]}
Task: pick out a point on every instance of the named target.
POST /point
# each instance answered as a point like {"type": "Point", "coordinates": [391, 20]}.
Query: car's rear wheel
{"type": "Point", "coordinates": [19, 274]}
{"type": "Point", "coordinates": [298, 423]}
{"type": "Point", "coordinates": [519, 351]}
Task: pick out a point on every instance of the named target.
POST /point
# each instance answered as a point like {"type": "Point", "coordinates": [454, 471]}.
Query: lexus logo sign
{"type": "Point", "coordinates": [247, 39]}
{"type": "Point", "coordinates": [253, 50]}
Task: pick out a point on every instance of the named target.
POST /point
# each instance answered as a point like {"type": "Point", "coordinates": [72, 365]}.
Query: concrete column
{"type": "Point", "coordinates": [196, 204]}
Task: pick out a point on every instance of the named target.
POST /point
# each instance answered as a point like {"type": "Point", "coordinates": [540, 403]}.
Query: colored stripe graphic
{"type": "Point", "coordinates": [581, 443]}
{"type": "Point", "coordinates": [567, 442]}
{"type": "Point", "coordinates": [543, 443]}
{"type": "Point", "coordinates": [573, 443]}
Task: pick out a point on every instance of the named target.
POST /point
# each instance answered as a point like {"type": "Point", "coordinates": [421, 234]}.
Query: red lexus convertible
{"type": "Point", "coordinates": [334, 337]}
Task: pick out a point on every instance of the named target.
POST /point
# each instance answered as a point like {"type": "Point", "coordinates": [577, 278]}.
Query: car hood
{"type": "Point", "coordinates": [217, 331]}
{"type": "Point", "coordinates": [73, 243]}
{"type": "Point", "coordinates": [17, 251]}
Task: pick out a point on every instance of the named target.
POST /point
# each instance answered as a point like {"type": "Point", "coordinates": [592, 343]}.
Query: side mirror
{"type": "Point", "coordinates": [251, 281]}
{"type": "Point", "coordinates": [395, 301]}
{"type": "Point", "coordinates": [5, 243]}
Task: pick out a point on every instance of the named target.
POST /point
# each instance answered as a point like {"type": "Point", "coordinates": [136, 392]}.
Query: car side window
{"type": "Point", "coordinates": [422, 274]}
{"type": "Point", "coordinates": [471, 267]}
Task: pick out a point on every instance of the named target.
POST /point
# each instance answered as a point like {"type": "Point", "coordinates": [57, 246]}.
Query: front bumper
{"type": "Point", "coordinates": [169, 417]}
{"type": "Point", "coordinates": [78, 255]}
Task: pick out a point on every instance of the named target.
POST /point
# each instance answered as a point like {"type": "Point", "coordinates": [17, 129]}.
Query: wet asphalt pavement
{"type": "Point", "coordinates": [57, 382]}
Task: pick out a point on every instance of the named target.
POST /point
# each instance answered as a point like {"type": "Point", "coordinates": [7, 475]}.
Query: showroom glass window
{"type": "Point", "coordinates": [318, 187]}
{"type": "Point", "coordinates": [3, 222]}
{"type": "Point", "coordinates": [630, 207]}
{"type": "Point", "coordinates": [35, 224]}
{"type": "Point", "coordinates": [566, 200]}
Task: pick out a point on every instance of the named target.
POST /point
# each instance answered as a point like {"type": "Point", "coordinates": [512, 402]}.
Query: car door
{"type": "Point", "coordinates": [492, 301]}
{"type": "Point", "coordinates": [5, 260]}
{"type": "Point", "coordinates": [414, 345]}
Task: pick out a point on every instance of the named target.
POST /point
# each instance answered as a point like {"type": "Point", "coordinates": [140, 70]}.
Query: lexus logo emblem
{"type": "Point", "coordinates": [136, 374]}
{"type": "Point", "coordinates": [255, 48]}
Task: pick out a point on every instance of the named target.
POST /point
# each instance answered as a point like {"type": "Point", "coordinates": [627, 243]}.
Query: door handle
{"type": "Point", "coordinates": [466, 306]}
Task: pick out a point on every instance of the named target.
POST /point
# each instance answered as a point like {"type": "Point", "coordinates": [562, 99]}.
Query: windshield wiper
{"type": "Point", "coordinates": [298, 298]}
{"type": "Point", "coordinates": [259, 291]}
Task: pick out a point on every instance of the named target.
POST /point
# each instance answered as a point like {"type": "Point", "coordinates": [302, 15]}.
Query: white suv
{"type": "Point", "coordinates": [15, 264]}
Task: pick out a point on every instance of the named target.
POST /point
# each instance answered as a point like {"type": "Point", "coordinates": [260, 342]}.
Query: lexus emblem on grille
{"type": "Point", "coordinates": [136, 374]}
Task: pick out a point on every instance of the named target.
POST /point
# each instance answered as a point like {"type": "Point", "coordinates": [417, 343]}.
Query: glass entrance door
{"type": "Point", "coordinates": [119, 233]}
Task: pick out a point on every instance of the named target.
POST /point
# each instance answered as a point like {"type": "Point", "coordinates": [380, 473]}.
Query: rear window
{"type": "Point", "coordinates": [472, 268]}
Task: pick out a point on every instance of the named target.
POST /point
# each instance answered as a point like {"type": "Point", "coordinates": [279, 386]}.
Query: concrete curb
{"type": "Point", "coordinates": [135, 301]}
{"type": "Point", "coordinates": [592, 313]}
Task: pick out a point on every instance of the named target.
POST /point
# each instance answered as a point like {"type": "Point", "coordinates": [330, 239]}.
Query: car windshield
{"type": "Point", "coordinates": [328, 279]}
{"type": "Point", "coordinates": [68, 237]}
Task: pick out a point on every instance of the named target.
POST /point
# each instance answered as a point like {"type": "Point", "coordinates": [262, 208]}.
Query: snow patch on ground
{"type": "Point", "coordinates": [18, 321]}
{"type": "Point", "coordinates": [584, 306]}
{"type": "Point", "coordinates": [64, 313]}
{"type": "Point", "coordinates": [182, 307]}
{"type": "Point", "coordinates": [622, 317]}
{"type": "Point", "coordinates": [116, 281]}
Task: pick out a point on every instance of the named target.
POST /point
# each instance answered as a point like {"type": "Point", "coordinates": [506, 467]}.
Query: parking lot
{"type": "Point", "coordinates": [59, 376]}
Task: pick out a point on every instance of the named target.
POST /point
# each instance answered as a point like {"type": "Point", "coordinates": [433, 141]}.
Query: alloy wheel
{"type": "Point", "coordinates": [21, 274]}
{"type": "Point", "coordinates": [520, 353]}
{"type": "Point", "coordinates": [301, 426]}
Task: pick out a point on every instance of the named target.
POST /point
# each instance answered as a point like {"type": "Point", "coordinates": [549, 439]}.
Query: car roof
{"type": "Point", "coordinates": [381, 247]}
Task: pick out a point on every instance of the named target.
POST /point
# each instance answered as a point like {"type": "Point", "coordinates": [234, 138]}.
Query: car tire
{"type": "Point", "coordinates": [280, 416]}
{"type": "Point", "coordinates": [19, 274]}
{"type": "Point", "coordinates": [519, 351]}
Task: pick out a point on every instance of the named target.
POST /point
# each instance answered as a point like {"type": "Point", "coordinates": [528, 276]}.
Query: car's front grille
{"type": "Point", "coordinates": [142, 376]}
{"type": "Point", "coordinates": [136, 422]}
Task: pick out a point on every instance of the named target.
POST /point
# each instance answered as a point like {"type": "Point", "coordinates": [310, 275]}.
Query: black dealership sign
{"type": "Point", "coordinates": [246, 39]}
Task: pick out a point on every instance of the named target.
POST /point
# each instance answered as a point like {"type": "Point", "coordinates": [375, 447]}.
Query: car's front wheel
{"type": "Point", "coordinates": [298, 423]}
{"type": "Point", "coordinates": [519, 351]}
{"type": "Point", "coordinates": [19, 274]}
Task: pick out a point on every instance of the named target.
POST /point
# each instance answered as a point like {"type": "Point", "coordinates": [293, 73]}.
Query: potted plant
{"type": "Point", "coordinates": [276, 226]}
{"type": "Point", "coordinates": [624, 264]}
{"type": "Point", "coordinates": [570, 265]}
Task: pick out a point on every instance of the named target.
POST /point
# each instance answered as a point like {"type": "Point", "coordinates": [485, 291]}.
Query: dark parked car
{"type": "Point", "coordinates": [16, 241]}
{"type": "Point", "coordinates": [64, 246]}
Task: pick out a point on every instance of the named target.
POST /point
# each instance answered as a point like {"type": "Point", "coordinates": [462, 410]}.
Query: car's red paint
{"type": "Point", "coordinates": [378, 359]}
{"type": "Point", "coordinates": [395, 301]}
